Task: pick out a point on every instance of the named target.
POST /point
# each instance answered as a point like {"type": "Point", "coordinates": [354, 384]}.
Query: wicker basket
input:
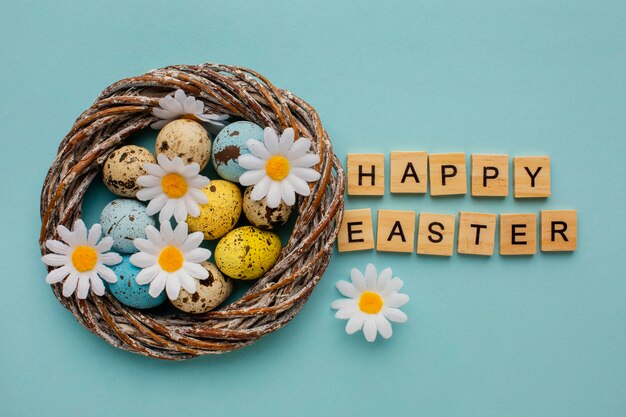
{"type": "Point", "coordinates": [125, 107]}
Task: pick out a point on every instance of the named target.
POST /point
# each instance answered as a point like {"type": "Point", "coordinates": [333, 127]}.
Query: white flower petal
{"type": "Point", "coordinates": [156, 204]}
{"type": "Point", "coordinates": [252, 177]}
{"type": "Point", "coordinates": [58, 247]}
{"type": "Point", "coordinates": [249, 161]}
{"type": "Point", "coordinates": [167, 211]}
{"type": "Point", "coordinates": [69, 285]}
{"type": "Point", "coordinates": [192, 242]}
{"type": "Point", "coordinates": [287, 193]}
{"type": "Point", "coordinates": [106, 273]}
{"type": "Point", "coordinates": [105, 244]}
{"type": "Point", "coordinates": [195, 270]}
{"type": "Point", "coordinates": [299, 185]}
{"type": "Point", "coordinates": [383, 279]}
{"type": "Point", "coordinates": [149, 181]}
{"type": "Point", "coordinates": [110, 258]}
{"type": "Point", "coordinates": [395, 315]}
{"type": "Point", "coordinates": [144, 245]}
{"type": "Point", "coordinates": [393, 286]}
{"type": "Point", "coordinates": [53, 259]}
{"type": "Point", "coordinates": [307, 174]}
{"type": "Point", "coordinates": [155, 237]}
{"type": "Point", "coordinates": [346, 312]}
{"type": "Point", "coordinates": [355, 323]}
{"type": "Point", "coordinates": [96, 284]}
{"type": "Point", "coordinates": [299, 148]}
{"type": "Point", "coordinates": [189, 105]}
{"type": "Point", "coordinates": [57, 275]}
{"type": "Point", "coordinates": [94, 234]}
{"type": "Point", "coordinates": [162, 113]}
{"type": "Point", "coordinates": [180, 95]}
{"type": "Point", "coordinates": [257, 148]}
{"type": "Point", "coordinates": [370, 277]}
{"type": "Point", "coordinates": [80, 231]}
{"type": "Point", "coordinates": [271, 140]}
{"type": "Point", "coordinates": [172, 286]}
{"type": "Point", "coordinates": [383, 326]}
{"type": "Point", "coordinates": [286, 141]}
{"type": "Point", "coordinates": [149, 193]}
{"type": "Point", "coordinates": [260, 189]}
{"type": "Point", "coordinates": [199, 182]}
{"type": "Point", "coordinates": [157, 285]}
{"type": "Point", "coordinates": [187, 282]}
{"type": "Point", "coordinates": [180, 211]}
{"type": "Point", "coordinates": [142, 259]}
{"type": "Point", "coordinates": [165, 162]}
{"type": "Point", "coordinates": [198, 255]}
{"type": "Point", "coordinates": [193, 208]}
{"type": "Point", "coordinates": [83, 286]}
{"type": "Point", "coordinates": [274, 195]}
{"type": "Point", "coordinates": [369, 328]}
{"type": "Point", "coordinates": [305, 161]}
{"type": "Point", "coordinates": [147, 275]}
{"type": "Point", "coordinates": [191, 170]}
{"type": "Point", "coordinates": [343, 303]}
{"type": "Point", "coordinates": [358, 280]}
{"type": "Point", "coordinates": [396, 300]}
{"type": "Point", "coordinates": [66, 235]}
{"type": "Point", "coordinates": [154, 169]}
{"type": "Point", "coordinates": [347, 289]}
{"type": "Point", "coordinates": [180, 234]}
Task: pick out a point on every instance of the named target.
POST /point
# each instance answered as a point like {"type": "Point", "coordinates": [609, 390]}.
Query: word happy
{"type": "Point", "coordinates": [473, 233]}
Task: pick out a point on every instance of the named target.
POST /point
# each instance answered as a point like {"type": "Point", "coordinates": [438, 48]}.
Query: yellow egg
{"type": "Point", "coordinates": [221, 213]}
{"type": "Point", "coordinates": [122, 168]}
{"type": "Point", "coordinates": [210, 292]}
{"type": "Point", "coordinates": [247, 252]}
{"type": "Point", "coordinates": [186, 139]}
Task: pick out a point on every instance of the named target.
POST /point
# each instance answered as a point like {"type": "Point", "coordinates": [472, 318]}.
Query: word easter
{"type": "Point", "coordinates": [410, 173]}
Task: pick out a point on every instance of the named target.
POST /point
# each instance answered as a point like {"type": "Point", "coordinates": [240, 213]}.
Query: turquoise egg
{"type": "Point", "coordinates": [125, 220]}
{"type": "Point", "coordinates": [126, 289]}
{"type": "Point", "coordinates": [229, 144]}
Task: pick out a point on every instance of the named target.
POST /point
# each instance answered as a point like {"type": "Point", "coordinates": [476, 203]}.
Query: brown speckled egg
{"type": "Point", "coordinates": [221, 213]}
{"type": "Point", "coordinates": [186, 139]}
{"type": "Point", "coordinates": [122, 168]}
{"type": "Point", "coordinates": [263, 217]}
{"type": "Point", "coordinates": [210, 292]}
{"type": "Point", "coordinates": [247, 252]}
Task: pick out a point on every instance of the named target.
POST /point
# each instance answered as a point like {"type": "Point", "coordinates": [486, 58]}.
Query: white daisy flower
{"type": "Point", "coordinates": [170, 260]}
{"type": "Point", "coordinates": [373, 301]}
{"type": "Point", "coordinates": [278, 168]}
{"type": "Point", "coordinates": [81, 260]}
{"type": "Point", "coordinates": [173, 188]}
{"type": "Point", "coordinates": [178, 105]}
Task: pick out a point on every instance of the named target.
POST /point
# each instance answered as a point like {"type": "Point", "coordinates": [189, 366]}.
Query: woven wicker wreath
{"type": "Point", "coordinates": [124, 108]}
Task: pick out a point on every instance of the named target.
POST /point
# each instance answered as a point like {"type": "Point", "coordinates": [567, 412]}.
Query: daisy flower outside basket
{"type": "Point", "coordinates": [124, 108]}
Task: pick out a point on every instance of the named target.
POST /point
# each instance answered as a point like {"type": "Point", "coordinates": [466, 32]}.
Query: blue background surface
{"type": "Point", "coordinates": [533, 336]}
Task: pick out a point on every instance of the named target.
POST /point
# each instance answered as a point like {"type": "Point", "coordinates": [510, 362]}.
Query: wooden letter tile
{"type": "Point", "coordinates": [477, 232]}
{"type": "Point", "coordinates": [355, 232]}
{"type": "Point", "coordinates": [366, 174]}
{"type": "Point", "coordinates": [532, 176]}
{"type": "Point", "coordinates": [447, 174]}
{"type": "Point", "coordinates": [490, 175]}
{"type": "Point", "coordinates": [435, 234]}
{"type": "Point", "coordinates": [396, 231]}
{"type": "Point", "coordinates": [409, 172]}
{"type": "Point", "coordinates": [518, 234]}
{"type": "Point", "coordinates": [558, 230]}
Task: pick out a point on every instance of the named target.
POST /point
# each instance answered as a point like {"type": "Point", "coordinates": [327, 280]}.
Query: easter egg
{"type": "Point", "coordinates": [260, 215]}
{"type": "Point", "coordinates": [229, 144]}
{"type": "Point", "coordinates": [221, 213]}
{"type": "Point", "coordinates": [210, 292]}
{"type": "Point", "coordinates": [247, 252]}
{"type": "Point", "coordinates": [125, 220]}
{"type": "Point", "coordinates": [122, 168]}
{"type": "Point", "coordinates": [186, 139]}
{"type": "Point", "coordinates": [127, 291]}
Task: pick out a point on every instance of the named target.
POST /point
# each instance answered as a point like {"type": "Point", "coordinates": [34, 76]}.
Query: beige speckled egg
{"type": "Point", "coordinates": [221, 213]}
{"type": "Point", "coordinates": [247, 252]}
{"type": "Point", "coordinates": [263, 217]}
{"type": "Point", "coordinates": [122, 168]}
{"type": "Point", "coordinates": [187, 139]}
{"type": "Point", "coordinates": [210, 292]}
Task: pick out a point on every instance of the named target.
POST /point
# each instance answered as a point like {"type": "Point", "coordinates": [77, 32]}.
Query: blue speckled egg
{"type": "Point", "coordinates": [126, 289]}
{"type": "Point", "coordinates": [125, 220]}
{"type": "Point", "coordinates": [229, 144]}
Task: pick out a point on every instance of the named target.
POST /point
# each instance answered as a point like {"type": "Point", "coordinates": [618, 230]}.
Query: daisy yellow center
{"type": "Point", "coordinates": [277, 167]}
{"type": "Point", "coordinates": [171, 259]}
{"type": "Point", "coordinates": [370, 302]}
{"type": "Point", "coordinates": [174, 185]}
{"type": "Point", "coordinates": [84, 258]}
